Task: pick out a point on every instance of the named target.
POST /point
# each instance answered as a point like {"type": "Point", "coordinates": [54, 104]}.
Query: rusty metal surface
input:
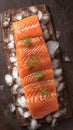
{"type": "Point", "coordinates": [63, 21]}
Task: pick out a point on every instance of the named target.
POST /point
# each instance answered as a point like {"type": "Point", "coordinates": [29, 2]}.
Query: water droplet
{"type": "Point", "coordinates": [58, 34]}
{"type": "Point", "coordinates": [1, 87]}
{"type": "Point", "coordinates": [66, 57]}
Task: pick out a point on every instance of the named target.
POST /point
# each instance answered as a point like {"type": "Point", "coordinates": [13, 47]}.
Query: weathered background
{"type": "Point", "coordinates": [62, 16]}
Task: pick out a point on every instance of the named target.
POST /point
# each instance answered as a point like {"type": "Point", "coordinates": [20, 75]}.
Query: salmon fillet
{"type": "Point", "coordinates": [28, 27]}
{"type": "Point", "coordinates": [41, 98]}
{"type": "Point", "coordinates": [24, 54]}
{"type": "Point", "coordinates": [35, 67]}
{"type": "Point", "coordinates": [33, 60]}
{"type": "Point", "coordinates": [38, 76]}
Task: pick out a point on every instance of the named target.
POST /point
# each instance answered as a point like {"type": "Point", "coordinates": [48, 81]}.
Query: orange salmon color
{"type": "Point", "coordinates": [41, 98]}
{"type": "Point", "coordinates": [28, 27]}
{"type": "Point", "coordinates": [38, 76]}
{"type": "Point", "coordinates": [30, 43]}
{"type": "Point", "coordinates": [32, 60]}
{"type": "Point", "coordinates": [35, 67]}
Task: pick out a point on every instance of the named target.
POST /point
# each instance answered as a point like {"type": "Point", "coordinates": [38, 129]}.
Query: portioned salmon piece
{"type": "Point", "coordinates": [25, 54]}
{"type": "Point", "coordinates": [38, 76]}
{"type": "Point", "coordinates": [25, 70]}
{"type": "Point", "coordinates": [41, 98]}
{"type": "Point", "coordinates": [28, 27]}
{"type": "Point", "coordinates": [30, 43]}
{"type": "Point", "coordinates": [32, 60]}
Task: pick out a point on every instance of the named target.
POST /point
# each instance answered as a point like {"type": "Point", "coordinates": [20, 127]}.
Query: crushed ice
{"type": "Point", "coordinates": [11, 37]}
{"type": "Point", "coordinates": [33, 125]}
{"type": "Point", "coordinates": [12, 59]}
{"type": "Point", "coordinates": [6, 23]}
{"type": "Point", "coordinates": [53, 122]}
{"type": "Point", "coordinates": [22, 102]}
{"type": "Point", "coordinates": [46, 34]}
{"type": "Point", "coordinates": [12, 107]}
{"type": "Point", "coordinates": [15, 72]}
{"type": "Point", "coordinates": [53, 48]}
{"type": "Point", "coordinates": [20, 110]}
{"type": "Point", "coordinates": [61, 86]}
{"type": "Point", "coordinates": [40, 15]}
{"type": "Point", "coordinates": [57, 114]}
{"type": "Point", "coordinates": [26, 114]}
{"type": "Point", "coordinates": [14, 88]}
{"type": "Point", "coordinates": [20, 90]}
{"type": "Point", "coordinates": [45, 18]}
{"type": "Point", "coordinates": [15, 64]}
{"type": "Point", "coordinates": [56, 82]}
{"type": "Point", "coordinates": [19, 16]}
{"type": "Point", "coordinates": [8, 79]}
{"type": "Point", "coordinates": [58, 72]}
{"type": "Point", "coordinates": [49, 118]}
{"type": "Point", "coordinates": [10, 45]}
{"type": "Point", "coordinates": [18, 80]}
{"type": "Point", "coordinates": [55, 63]}
{"type": "Point", "coordinates": [33, 9]}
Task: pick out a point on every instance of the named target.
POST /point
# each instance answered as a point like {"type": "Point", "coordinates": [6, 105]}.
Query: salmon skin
{"type": "Point", "coordinates": [33, 60]}
{"type": "Point", "coordinates": [28, 27]}
{"type": "Point", "coordinates": [41, 98]}
{"type": "Point", "coordinates": [38, 76]}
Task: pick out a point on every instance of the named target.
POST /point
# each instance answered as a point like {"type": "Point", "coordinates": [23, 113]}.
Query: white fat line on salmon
{"type": "Point", "coordinates": [53, 94]}
{"type": "Point", "coordinates": [23, 50]}
{"type": "Point", "coordinates": [35, 99]}
{"type": "Point", "coordinates": [19, 30]}
{"type": "Point", "coordinates": [33, 40]}
{"type": "Point", "coordinates": [43, 82]}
